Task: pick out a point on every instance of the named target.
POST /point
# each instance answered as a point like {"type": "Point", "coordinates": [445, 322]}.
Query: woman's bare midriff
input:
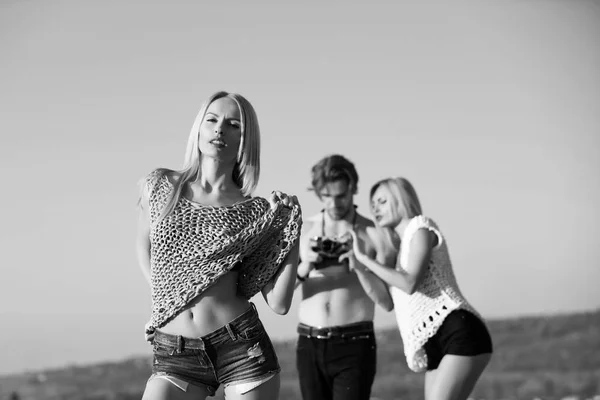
{"type": "Point", "coordinates": [211, 310]}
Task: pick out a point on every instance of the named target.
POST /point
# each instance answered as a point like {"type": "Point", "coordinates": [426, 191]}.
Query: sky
{"type": "Point", "coordinates": [490, 108]}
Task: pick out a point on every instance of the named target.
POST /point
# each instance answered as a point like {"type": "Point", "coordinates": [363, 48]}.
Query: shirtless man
{"type": "Point", "coordinates": [336, 353]}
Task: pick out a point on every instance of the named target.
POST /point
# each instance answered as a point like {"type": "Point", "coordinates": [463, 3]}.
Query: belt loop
{"type": "Point", "coordinates": [230, 331]}
{"type": "Point", "coordinates": [179, 344]}
{"type": "Point", "coordinates": [202, 344]}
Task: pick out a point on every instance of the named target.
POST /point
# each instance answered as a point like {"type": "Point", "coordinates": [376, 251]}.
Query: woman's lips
{"type": "Point", "coordinates": [218, 143]}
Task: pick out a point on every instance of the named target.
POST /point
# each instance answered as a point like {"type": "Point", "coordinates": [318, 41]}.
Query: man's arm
{"type": "Point", "coordinates": [308, 258]}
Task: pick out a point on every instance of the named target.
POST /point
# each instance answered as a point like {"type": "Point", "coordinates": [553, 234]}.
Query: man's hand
{"type": "Point", "coordinates": [309, 259]}
{"type": "Point", "coordinates": [312, 256]}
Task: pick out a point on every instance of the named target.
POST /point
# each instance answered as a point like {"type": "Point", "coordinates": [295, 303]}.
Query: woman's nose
{"type": "Point", "coordinates": [219, 128]}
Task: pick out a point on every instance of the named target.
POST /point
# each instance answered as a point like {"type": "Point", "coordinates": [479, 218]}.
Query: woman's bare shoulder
{"type": "Point", "coordinates": [364, 223]}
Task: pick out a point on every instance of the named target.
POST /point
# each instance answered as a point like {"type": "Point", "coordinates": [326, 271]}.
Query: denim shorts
{"type": "Point", "coordinates": [239, 352]}
{"type": "Point", "coordinates": [462, 333]}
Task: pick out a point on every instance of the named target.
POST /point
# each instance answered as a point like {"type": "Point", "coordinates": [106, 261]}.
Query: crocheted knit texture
{"type": "Point", "coordinates": [195, 245]}
{"type": "Point", "coordinates": [421, 314]}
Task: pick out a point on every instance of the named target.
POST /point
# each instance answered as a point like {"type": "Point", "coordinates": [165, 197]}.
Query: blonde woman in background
{"type": "Point", "coordinates": [443, 335]}
{"type": "Point", "coordinates": [205, 247]}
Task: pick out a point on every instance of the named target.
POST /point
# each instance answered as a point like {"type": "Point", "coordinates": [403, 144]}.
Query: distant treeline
{"type": "Point", "coordinates": [546, 357]}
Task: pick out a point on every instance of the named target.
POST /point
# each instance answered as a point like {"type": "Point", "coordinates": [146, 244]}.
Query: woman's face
{"type": "Point", "coordinates": [221, 130]}
{"type": "Point", "coordinates": [382, 208]}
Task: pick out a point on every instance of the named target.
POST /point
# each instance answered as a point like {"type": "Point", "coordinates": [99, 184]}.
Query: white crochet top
{"type": "Point", "coordinates": [192, 247]}
{"type": "Point", "coordinates": [421, 314]}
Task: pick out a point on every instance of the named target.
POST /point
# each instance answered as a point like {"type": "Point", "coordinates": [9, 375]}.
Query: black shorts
{"type": "Point", "coordinates": [462, 333]}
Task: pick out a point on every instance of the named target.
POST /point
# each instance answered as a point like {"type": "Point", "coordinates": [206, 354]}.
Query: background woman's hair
{"type": "Point", "coordinates": [404, 199]}
{"type": "Point", "coordinates": [247, 167]}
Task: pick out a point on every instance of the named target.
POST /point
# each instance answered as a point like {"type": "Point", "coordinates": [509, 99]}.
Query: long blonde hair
{"type": "Point", "coordinates": [247, 167]}
{"type": "Point", "coordinates": [405, 201]}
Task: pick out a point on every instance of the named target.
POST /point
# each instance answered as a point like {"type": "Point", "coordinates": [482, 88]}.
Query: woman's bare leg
{"type": "Point", "coordinates": [430, 377]}
{"type": "Point", "coordinates": [268, 390]}
{"type": "Point", "coordinates": [162, 389]}
{"type": "Point", "coordinates": [455, 377]}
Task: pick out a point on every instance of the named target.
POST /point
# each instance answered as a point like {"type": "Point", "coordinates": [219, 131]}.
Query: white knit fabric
{"type": "Point", "coordinates": [195, 245]}
{"type": "Point", "coordinates": [421, 314]}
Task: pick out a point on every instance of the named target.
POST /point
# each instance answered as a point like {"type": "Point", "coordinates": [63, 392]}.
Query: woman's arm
{"type": "Point", "coordinates": [373, 286]}
{"type": "Point", "coordinates": [143, 247]}
{"type": "Point", "coordinates": [279, 291]}
{"type": "Point", "coordinates": [143, 236]}
{"type": "Point", "coordinates": [410, 278]}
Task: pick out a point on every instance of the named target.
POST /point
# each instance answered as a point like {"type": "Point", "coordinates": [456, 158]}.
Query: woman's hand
{"type": "Point", "coordinates": [148, 334]}
{"type": "Point", "coordinates": [356, 250]}
{"type": "Point", "coordinates": [280, 197]}
{"type": "Point", "coordinates": [352, 262]}
{"type": "Point", "coordinates": [364, 268]}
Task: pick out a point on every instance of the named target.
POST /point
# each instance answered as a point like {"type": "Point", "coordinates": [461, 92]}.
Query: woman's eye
{"type": "Point", "coordinates": [211, 120]}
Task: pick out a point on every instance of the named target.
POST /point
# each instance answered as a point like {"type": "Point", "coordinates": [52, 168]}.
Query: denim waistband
{"type": "Point", "coordinates": [222, 334]}
{"type": "Point", "coordinates": [340, 331]}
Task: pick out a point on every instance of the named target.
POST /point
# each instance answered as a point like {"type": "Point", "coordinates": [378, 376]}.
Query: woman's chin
{"type": "Point", "coordinates": [383, 223]}
{"type": "Point", "coordinates": [219, 156]}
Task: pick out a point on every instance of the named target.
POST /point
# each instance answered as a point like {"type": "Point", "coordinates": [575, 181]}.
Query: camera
{"type": "Point", "coordinates": [330, 249]}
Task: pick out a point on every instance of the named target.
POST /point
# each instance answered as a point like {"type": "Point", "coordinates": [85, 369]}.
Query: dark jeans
{"type": "Point", "coordinates": [341, 367]}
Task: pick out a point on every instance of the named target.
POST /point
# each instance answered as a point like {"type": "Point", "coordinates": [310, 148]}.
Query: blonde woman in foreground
{"type": "Point", "coordinates": [206, 247]}
{"type": "Point", "coordinates": [441, 332]}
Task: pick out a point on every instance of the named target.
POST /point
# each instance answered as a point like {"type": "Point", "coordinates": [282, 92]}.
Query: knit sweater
{"type": "Point", "coordinates": [193, 246]}
{"type": "Point", "coordinates": [420, 315]}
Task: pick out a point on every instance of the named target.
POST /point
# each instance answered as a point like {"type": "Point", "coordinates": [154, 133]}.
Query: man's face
{"type": "Point", "coordinates": [338, 198]}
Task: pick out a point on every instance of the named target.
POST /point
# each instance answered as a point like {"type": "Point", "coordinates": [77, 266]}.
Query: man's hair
{"type": "Point", "coordinates": [334, 168]}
